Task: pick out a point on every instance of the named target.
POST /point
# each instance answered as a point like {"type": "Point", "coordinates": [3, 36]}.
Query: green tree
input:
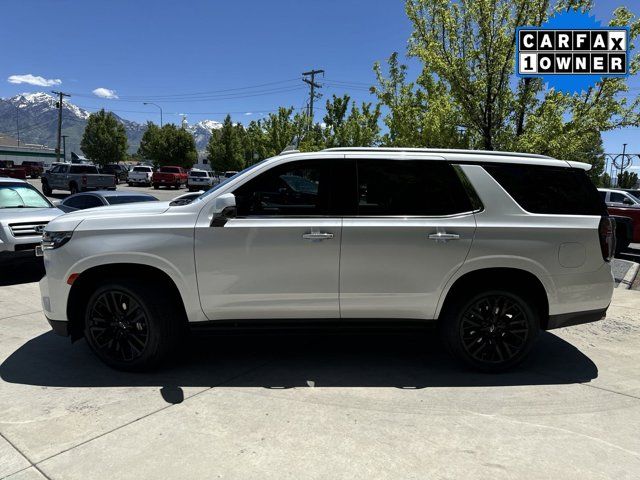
{"type": "Point", "coordinates": [627, 179]}
{"type": "Point", "coordinates": [168, 145]}
{"type": "Point", "coordinates": [225, 149]}
{"type": "Point", "coordinates": [467, 49]}
{"type": "Point", "coordinates": [420, 114]}
{"type": "Point", "coordinates": [280, 129]}
{"type": "Point", "coordinates": [104, 139]}
{"type": "Point", "coordinates": [357, 127]}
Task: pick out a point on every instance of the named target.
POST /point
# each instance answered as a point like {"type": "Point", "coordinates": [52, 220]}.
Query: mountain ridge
{"type": "Point", "coordinates": [37, 118]}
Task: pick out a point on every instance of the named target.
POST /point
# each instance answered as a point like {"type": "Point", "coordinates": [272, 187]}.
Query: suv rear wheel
{"type": "Point", "coordinates": [129, 327]}
{"type": "Point", "coordinates": [46, 189]}
{"type": "Point", "coordinates": [492, 330]}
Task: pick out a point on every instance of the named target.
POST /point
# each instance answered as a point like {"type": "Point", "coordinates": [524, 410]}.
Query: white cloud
{"type": "Point", "coordinates": [34, 80]}
{"type": "Point", "coordinates": [249, 113]}
{"type": "Point", "coordinates": [105, 93]}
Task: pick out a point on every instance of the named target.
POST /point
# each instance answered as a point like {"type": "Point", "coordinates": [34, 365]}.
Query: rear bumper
{"type": "Point", "coordinates": [577, 318]}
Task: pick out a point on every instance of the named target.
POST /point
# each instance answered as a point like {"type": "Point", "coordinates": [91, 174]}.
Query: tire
{"type": "Point", "coordinates": [477, 337]}
{"type": "Point", "coordinates": [46, 189]}
{"type": "Point", "coordinates": [131, 326]}
{"type": "Point", "coordinates": [156, 186]}
{"type": "Point", "coordinates": [131, 184]}
{"type": "Point", "coordinates": [73, 188]}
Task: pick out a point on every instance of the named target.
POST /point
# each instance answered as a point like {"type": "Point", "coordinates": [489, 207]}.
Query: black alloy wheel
{"type": "Point", "coordinates": [494, 329]}
{"type": "Point", "coordinates": [118, 326]}
{"type": "Point", "coordinates": [490, 329]}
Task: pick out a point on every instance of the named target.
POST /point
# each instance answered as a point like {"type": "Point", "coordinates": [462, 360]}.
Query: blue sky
{"type": "Point", "coordinates": [155, 50]}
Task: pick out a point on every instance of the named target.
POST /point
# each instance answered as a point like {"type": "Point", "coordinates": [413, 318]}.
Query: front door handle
{"type": "Point", "coordinates": [317, 236]}
{"type": "Point", "coordinates": [444, 236]}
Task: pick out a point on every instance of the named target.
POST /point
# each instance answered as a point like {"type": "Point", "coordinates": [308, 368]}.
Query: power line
{"type": "Point", "coordinates": [210, 97]}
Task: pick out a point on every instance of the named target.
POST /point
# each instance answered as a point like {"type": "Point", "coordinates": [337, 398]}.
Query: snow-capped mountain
{"type": "Point", "coordinates": [201, 132]}
{"type": "Point", "coordinates": [37, 121]}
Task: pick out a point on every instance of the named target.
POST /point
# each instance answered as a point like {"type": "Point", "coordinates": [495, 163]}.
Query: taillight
{"type": "Point", "coordinates": [607, 234]}
{"type": "Point", "coordinates": [84, 180]}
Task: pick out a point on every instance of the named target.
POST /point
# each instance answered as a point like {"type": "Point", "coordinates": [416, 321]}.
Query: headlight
{"type": "Point", "coordinates": [51, 240]}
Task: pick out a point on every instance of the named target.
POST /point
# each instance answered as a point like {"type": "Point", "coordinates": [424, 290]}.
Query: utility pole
{"type": "Point", "coordinates": [64, 147]}
{"type": "Point", "coordinates": [60, 96]}
{"type": "Point", "coordinates": [312, 85]}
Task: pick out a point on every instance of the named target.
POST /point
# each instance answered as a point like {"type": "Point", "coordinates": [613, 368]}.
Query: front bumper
{"type": "Point", "coordinates": [576, 318]}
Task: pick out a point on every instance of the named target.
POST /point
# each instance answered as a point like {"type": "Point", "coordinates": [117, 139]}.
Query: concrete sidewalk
{"type": "Point", "coordinates": [348, 406]}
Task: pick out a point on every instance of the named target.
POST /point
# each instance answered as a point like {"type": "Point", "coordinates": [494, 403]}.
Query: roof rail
{"type": "Point", "coordinates": [434, 150]}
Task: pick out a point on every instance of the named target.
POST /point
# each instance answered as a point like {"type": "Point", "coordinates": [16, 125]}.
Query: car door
{"type": "Point", "coordinates": [279, 257]}
{"type": "Point", "coordinates": [413, 229]}
{"type": "Point", "coordinates": [59, 176]}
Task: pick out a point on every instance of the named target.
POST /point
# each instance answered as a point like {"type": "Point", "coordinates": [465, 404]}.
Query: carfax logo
{"type": "Point", "coordinates": [571, 51]}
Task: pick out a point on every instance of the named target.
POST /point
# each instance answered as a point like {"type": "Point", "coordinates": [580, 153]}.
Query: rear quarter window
{"type": "Point", "coordinates": [549, 190]}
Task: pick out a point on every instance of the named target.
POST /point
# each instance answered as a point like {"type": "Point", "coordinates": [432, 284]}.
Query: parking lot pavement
{"type": "Point", "coordinates": [353, 405]}
{"type": "Point", "coordinates": [162, 194]}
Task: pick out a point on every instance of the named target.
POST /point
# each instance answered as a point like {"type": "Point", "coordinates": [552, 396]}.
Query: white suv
{"type": "Point", "coordinates": [493, 246]}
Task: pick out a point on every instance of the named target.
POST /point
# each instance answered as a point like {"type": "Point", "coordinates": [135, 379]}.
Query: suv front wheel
{"type": "Point", "coordinates": [491, 330]}
{"type": "Point", "coordinates": [129, 326]}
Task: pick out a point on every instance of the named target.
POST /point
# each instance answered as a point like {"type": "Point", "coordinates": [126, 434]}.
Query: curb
{"type": "Point", "coordinates": [627, 282]}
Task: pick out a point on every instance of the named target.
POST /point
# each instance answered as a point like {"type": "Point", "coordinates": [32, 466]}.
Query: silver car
{"type": "Point", "coordinates": [24, 212]}
{"type": "Point", "coordinates": [494, 247]}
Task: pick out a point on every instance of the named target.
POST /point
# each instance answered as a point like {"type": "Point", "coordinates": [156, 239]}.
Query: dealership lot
{"type": "Point", "coordinates": [387, 405]}
{"type": "Point", "coordinates": [162, 194]}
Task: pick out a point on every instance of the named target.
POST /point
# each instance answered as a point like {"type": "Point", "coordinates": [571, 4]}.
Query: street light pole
{"type": "Point", "coordinates": [156, 105]}
{"type": "Point", "coordinates": [64, 147]}
{"type": "Point", "coordinates": [17, 124]}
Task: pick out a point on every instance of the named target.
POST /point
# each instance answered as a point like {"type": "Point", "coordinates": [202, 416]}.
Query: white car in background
{"type": "Point", "coordinates": [140, 175]}
{"type": "Point", "coordinates": [24, 212]}
{"type": "Point", "coordinates": [199, 180]}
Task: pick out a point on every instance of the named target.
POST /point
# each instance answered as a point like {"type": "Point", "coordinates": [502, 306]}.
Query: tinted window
{"type": "Point", "coordinates": [169, 170]}
{"type": "Point", "coordinates": [304, 188]}
{"type": "Point", "coordinates": [198, 174]}
{"type": "Point", "coordinates": [118, 199]}
{"type": "Point", "coordinates": [141, 169]}
{"type": "Point", "coordinates": [84, 169]}
{"type": "Point", "coordinates": [409, 187]}
{"type": "Point", "coordinates": [83, 201]}
{"type": "Point", "coordinates": [616, 197]}
{"type": "Point", "coordinates": [552, 190]}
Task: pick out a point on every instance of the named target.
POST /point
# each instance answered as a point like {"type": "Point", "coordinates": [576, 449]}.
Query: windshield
{"type": "Point", "coordinates": [169, 170]}
{"type": "Point", "coordinates": [21, 196]}
{"type": "Point", "coordinates": [197, 174]}
{"type": "Point", "coordinates": [223, 183]}
{"type": "Point", "coordinates": [142, 169]}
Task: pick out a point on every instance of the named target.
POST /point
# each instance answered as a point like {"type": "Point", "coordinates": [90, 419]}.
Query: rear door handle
{"type": "Point", "coordinates": [444, 236]}
{"type": "Point", "coordinates": [317, 236]}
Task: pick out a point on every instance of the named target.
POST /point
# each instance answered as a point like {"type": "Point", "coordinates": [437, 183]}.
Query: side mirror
{"type": "Point", "coordinates": [56, 203]}
{"type": "Point", "coordinates": [224, 208]}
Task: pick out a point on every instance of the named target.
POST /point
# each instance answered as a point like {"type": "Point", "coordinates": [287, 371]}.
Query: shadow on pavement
{"type": "Point", "coordinates": [400, 360]}
{"type": "Point", "coordinates": [24, 269]}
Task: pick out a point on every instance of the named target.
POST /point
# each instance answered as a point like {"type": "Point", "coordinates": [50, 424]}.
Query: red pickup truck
{"type": "Point", "coordinates": [169, 177]}
{"type": "Point", "coordinates": [32, 169]}
{"type": "Point", "coordinates": [7, 169]}
{"type": "Point", "coordinates": [624, 204]}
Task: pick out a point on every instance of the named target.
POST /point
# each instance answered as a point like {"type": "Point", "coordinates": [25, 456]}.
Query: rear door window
{"type": "Point", "coordinates": [409, 187]}
{"type": "Point", "coordinates": [83, 201]}
{"type": "Point", "coordinates": [549, 190]}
